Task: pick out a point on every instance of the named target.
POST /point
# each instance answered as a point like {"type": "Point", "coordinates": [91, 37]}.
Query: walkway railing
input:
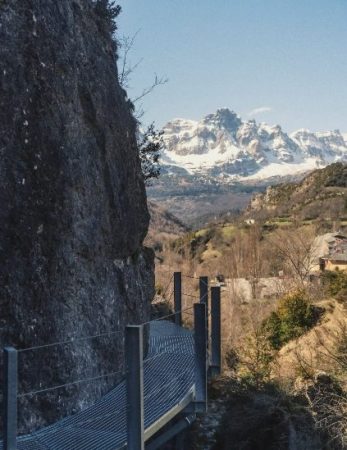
{"type": "Point", "coordinates": [206, 353]}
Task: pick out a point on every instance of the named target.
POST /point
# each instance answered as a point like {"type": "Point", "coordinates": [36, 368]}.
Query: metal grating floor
{"type": "Point", "coordinates": [168, 380]}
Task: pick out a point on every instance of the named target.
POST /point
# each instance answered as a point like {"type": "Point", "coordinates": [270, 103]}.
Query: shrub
{"type": "Point", "coordinates": [334, 281]}
{"type": "Point", "coordinates": [150, 146]}
{"type": "Point", "coordinates": [294, 316]}
{"type": "Point", "coordinates": [107, 11]}
{"type": "Point", "coordinates": [232, 359]}
{"type": "Point", "coordinates": [336, 175]}
{"type": "Point", "coordinates": [252, 359]}
{"type": "Point", "coordinates": [342, 296]}
{"type": "Point", "coordinates": [273, 327]}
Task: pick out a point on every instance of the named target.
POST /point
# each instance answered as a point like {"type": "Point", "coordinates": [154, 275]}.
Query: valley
{"type": "Point", "coordinates": [173, 274]}
{"type": "Point", "coordinates": [214, 166]}
{"type": "Point", "coordinates": [284, 318]}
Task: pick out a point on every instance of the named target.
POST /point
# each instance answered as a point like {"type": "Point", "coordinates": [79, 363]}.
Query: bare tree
{"type": "Point", "coordinates": [296, 250]}
{"type": "Point", "coordinates": [329, 407]}
{"type": "Point", "coordinates": [125, 44]}
{"type": "Point", "coordinates": [127, 68]}
{"type": "Point", "coordinates": [150, 141]}
{"type": "Point", "coordinates": [325, 391]}
{"type": "Point", "coordinates": [245, 257]}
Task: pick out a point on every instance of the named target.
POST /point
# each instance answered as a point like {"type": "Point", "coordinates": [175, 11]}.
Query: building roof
{"type": "Point", "coordinates": [340, 236]}
{"type": "Point", "coordinates": [338, 257]}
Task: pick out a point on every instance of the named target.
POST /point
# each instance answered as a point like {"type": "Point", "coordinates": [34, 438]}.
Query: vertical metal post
{"type": "Point", "coordinates": [200, 336]}
{"type": "Point", "coordinates": [179, 440]}
{"type": "Point", "coordinates": [10, 398]}
{"type": "Point", "coordinates": [178, 297]}
{"type": "Point", "coordinates": [134, 385]}
{"type": "Point", "coordinates": [203, 287]}
{"type": "Point", "coordinates": [215, 331]}
{"type": "Point", "coordinates": [145, 333]}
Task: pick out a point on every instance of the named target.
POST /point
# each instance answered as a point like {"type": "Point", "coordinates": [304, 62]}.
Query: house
{"type": "Point", "coordinates": [336, 255]}
{"type": "Point", "coordinates": [336, 261]}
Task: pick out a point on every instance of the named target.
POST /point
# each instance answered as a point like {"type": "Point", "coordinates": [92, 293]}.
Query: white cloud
{"type": "Point", "coordinates": [260, 110]}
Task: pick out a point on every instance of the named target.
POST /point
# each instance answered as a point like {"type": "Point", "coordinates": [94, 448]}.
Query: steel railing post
{"type": "Point", "coordinates": [203, 288]}
{"type": "Point", "coordinates": [10, 398]}
{"type": "Point", "coordinates": [178, 297]}
{"type": "Point", "coordinates": [134, 387]}
{"type": "Point", "coordinates": [216, 331]}
{"type": "Point", "coordinates": [200, 337]}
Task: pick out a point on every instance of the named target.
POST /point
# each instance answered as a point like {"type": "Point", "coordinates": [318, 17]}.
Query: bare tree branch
{"type": "Point", "coordinates": [126, 44]}
{"type": "Point", "coordinates": [158, 81]}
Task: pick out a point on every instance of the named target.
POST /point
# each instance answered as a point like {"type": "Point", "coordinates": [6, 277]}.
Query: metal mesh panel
{"type": "Point", "coordinates": [168, 378]}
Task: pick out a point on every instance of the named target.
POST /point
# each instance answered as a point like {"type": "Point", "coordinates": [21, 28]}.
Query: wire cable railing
{"type": "Point", "coordinates": [72, 383]}
{"type": "Point", "coordinates": [69, 341]}
{"type": "Point", "coordinates": [167, 316]}
{"type": "Point", "coordinates": [168, 370]}
{"type": "Point", "coordinates": [192, 277]}
{"type": "Point", "coordinates": [110, 333]}
{"type": "Point", "coordinates": [81, 339]}
{"type": "Point", "coordinates": [184, 294]}
{"type": "Point", "coordinates": [183, 274]}
{"type": "Point", "coordinates": [91, 379]}
{"type": "Point", "coordinates": [163, 294]}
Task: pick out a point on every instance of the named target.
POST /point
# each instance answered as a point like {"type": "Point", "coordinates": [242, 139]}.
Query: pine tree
{"type": "Point", "coordinates": [150, 146]}
{"type": "Point", "coordinates": [108, 11]}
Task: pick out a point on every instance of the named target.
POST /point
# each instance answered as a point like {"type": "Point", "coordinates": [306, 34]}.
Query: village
{"type": "Point", "coordinates": [328, 253]}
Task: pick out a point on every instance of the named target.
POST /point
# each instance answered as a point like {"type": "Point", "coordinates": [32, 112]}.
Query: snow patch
{"type": "Point", "coordinates": [222, 145]}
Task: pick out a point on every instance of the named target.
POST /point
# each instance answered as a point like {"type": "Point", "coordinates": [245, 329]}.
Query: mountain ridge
{"type": "Point", "coordinates": [320, 194]}
{"type": "Point", "coordinates": [223, 146]}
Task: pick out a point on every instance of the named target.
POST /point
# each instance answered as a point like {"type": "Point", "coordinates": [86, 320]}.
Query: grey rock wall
{"type": "Point", "coordinates": [73, 211]}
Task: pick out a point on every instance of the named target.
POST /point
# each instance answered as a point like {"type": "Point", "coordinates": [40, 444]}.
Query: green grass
{"type": "Point", "coordinates": [201, 233]}
{"type": "Point", "coordinates": [228, 232]}
{"type": "Point", "coordinates": [279, 223]}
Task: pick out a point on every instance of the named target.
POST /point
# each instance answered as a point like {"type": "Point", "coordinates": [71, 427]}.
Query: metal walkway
{"type": "Point", "coordinates": [170, 383]}
{"type": "Point", "coordinates": [168, 389]}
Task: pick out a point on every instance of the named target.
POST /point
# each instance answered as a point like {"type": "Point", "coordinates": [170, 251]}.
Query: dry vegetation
{"type": "Point", "coordinates": [321, 195]}
{"type": "Point", "coordinates": [163, 227]}
{"type": "Point", "coordinates": [276, 387]}
{"type": "Point", "coordinates": [284, 333]}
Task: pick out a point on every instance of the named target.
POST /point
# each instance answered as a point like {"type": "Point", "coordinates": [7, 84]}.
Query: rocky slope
{"type": "Point", "coordinates": [321, 194]}
{"type": "Point", "coordinates": [73, 205]}
{"type": "Point", "coordinates": [163, 225]}
{"type": "Point", "coordinates": [223, 146]}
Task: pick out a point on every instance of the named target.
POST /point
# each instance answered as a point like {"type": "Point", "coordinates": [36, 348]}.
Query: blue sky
{"type": "Point", "coordinates": [278, 61]}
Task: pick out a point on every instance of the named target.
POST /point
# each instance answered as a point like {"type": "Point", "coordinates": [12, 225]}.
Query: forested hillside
{"type": "Point", "coordinates": [163, 227]}
{"type": "Point", "coordinates": [320, 195]}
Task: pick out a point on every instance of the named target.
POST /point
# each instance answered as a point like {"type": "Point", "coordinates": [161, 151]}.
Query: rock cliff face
{"type": "Point", "coordinates": [73, 212]}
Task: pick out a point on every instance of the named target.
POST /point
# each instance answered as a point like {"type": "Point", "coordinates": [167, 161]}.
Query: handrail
{"type": "Point", "coordinates": [185, 388]}
{"type": "Point", "coordinates": [70, 341]}
{"type": "Point", "coordinates": [72, 383]}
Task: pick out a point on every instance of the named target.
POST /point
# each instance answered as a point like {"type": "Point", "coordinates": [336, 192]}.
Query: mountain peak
{"type": "Point", "coordinates": [222, 145]}
{"type": "Point", "coordinates": [224, 118]}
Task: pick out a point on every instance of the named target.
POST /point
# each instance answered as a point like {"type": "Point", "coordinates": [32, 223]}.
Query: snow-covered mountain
{"type": "Point", "coordinates": [221, 145]}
